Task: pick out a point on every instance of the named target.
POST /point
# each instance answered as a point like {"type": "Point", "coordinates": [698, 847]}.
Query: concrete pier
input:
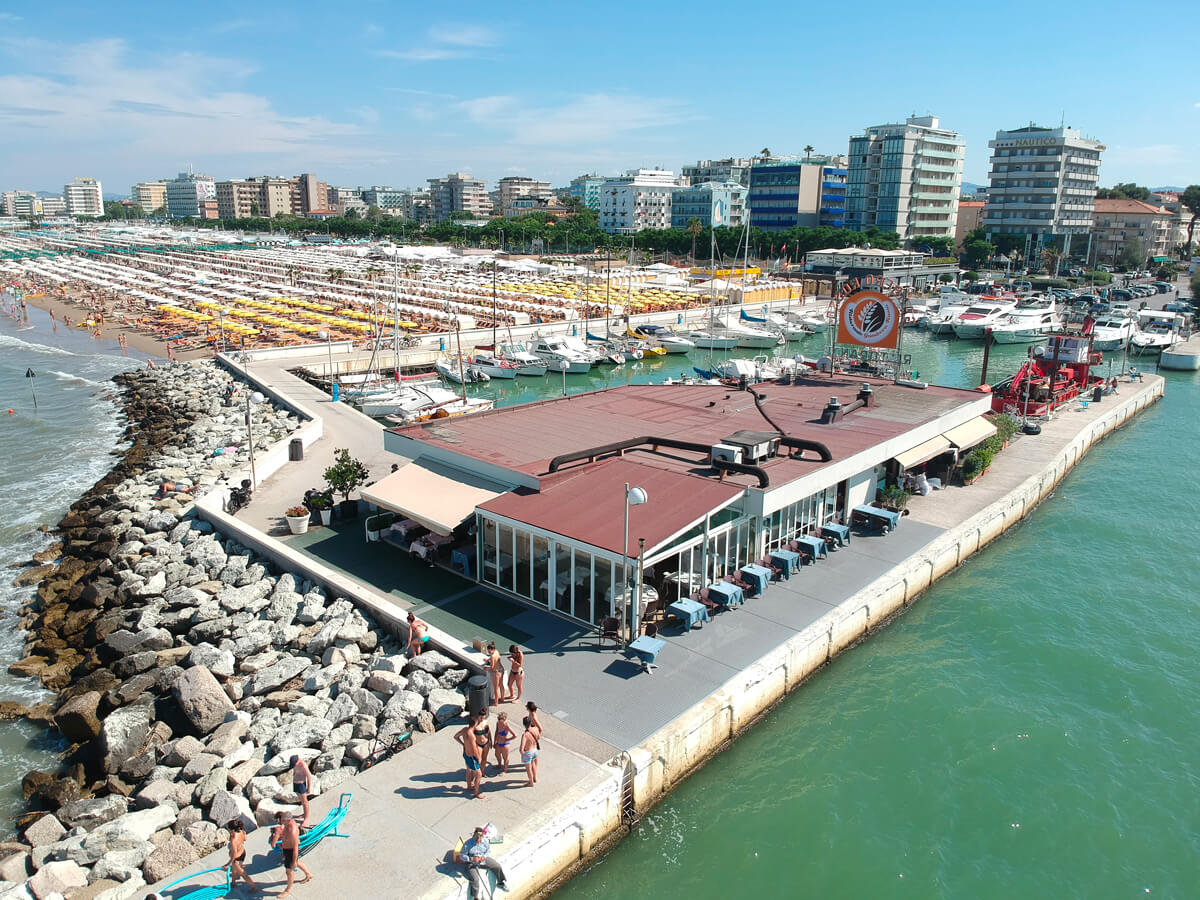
{"type": "Point", "coordinates": [1184, 355]}
{"type": "Point", "coordinates": [611, 758]}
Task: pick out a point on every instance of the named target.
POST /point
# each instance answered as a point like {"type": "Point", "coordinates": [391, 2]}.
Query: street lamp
{"type": "Point", "coordinates": [328, 339]}
{"type": "Point", "coordinates": [633, 497]}
{"type": "Point", "coordinates": [252, 397]}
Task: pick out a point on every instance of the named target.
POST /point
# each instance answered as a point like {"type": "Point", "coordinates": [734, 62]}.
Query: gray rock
{"type": "Point", "coordinates": [206, 789]}
{"type": "Point", "coordinates": [155, 638]}
{"type": "Point", "coordinates": [122, 734]}
{"type": "Point", "coordinates": [201, 698]}
{"type": "Point", "coordinates": [348, 654]}
{"type": "Point", "coordinates": [282, 761]}
{"type": "Point", "coordinates": [333, 779]}
{"type": "Point", "coordinates": [309, 705]}
{"type": "Point", "coordinates": [277, 674]}
{"type": "Point", "coordinates": [425, 722]}
{"type": "Point", "coordinates": [15, 866]}
{"type": "Point", "coordinates": [240, 775]}
{"type": "Point", "coordinates": [227, 806]}
{"type": "Point", "coordinates": [77, 719]}
{"type": "Point", "coordinates": [328, 760]}
{"type": "Point", "coordinates": [343, 710]}
{"type": "Point", "coordinates": [265, 723]}
{"type": "Point", "coordinates": [394, 663]}
{"type": "Point", "coordinates": [357, 751]}
{"type": "Point", "coordinates": [283, 607]}
{"type": "Point", "coordinates": [430, 661]}
{"type": "Point", "coordinates": [182, 751]}
{"type": "Point", "coordinates": [258, 661]}
{"type": "Point", "coordinates": [168, 859]}
{"type": "Point", "coordinates": [216, 660]}
{"type": "Point", "coordinates": [339, 736]}
{"type": "Point", "coordinates": [367, 702]}
{"type": "Point", "coordinates": [126, 891]}
{"type": "Point", "coordinates": [89, 813]}
{"type": "Point", "coordinates": [200, 766]}
{"type": "Point", "coordinates": [364, 727]}
{"type": "Point", "coordinates": [324, 678]}
{"type": "Point", "coordinates": [350, 680]}
{"type": "Point", "coordinates": [227, 738]}
{"type": "Point", "coordinates": [301, 731]}
{"type": "Point", "coordinates": [422, 683]}
{"type": "Point", "coordinates": [62, 877]}
{"type": "Point", "coordinates": [187, 816]}
{"type": "Point", "coordinates": [325, 637]}
{"type": "Point", "coordinates": [445, 705]}
{"type": "Point", "coordinates": [152, 587]}
{"type": "Point", "coordinates": [312, 608]}
{"type": "Point", "coordinates": [406, 704]}
{"type": "Point", "coordinates": [355, 627]}
{"type": "Point", "coordinates": [129, 832]}
{"type": "Point", "coordinates": [155, 793]}
{"type": "Point", "coordinates": [132, 664]}
{"type": "Point", "coordinates": [139, 766]}
{"type": "Point", "coordinates": [452, 678]}
{"type": "Point", "coordinates": [206, 837]}
{"type": "Point", "coordinates": [265, 812]}
{"type": "Point", "coordinates": [265, 787]}
{"type": "Point", "coordinates": [251, 642]}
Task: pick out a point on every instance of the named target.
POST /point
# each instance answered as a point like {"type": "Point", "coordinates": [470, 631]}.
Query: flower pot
{"type": "Point", "coordinates": [326, 516]}
{"type": "Point", "coordinates": [298, 524]}
{"type": "Point", "coordinates": [348, 509]}
{"type": "Point", "coordinates": [372, 535]}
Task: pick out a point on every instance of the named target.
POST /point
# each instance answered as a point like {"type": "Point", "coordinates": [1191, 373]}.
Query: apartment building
{"type": "Point", "coordinates": [184, 193]}
{"type": "Point", "coordinates": [638, 200]}
{"type": "Point", "coordinates": [714, 204]}
{"type": "Point", "coordinates": [238, 199]}
{"type": "Point", "coordinates": [970, 217]}
{"type": "Point", "coordinates": [736, 169]}
{"type": "Point", "coordinates": [1042, 183]}
{"type": "Point", "coordinates": [149, 195]}
{"type": "Point", "coordinates": [513, 186]}
{"type": "Point", "coordinates": [905, 177]}
{"type": "Point", "coordinates": [314, 194]}
{"type": "Point", "coordinates": [586, 189]}
{"type": "Point", "coordinates": [20, 203]}
{"type": "Point", "coordinates": [791, 192]}
{"type": "Point", "coordinates": [1118, 223]}
{"type": "Point", "coordinates": [84, 197]}
{"type": "Point", "coordinates": [458, 192]}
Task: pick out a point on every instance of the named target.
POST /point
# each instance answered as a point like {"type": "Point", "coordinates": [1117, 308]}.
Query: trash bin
{"type": "Point", "coordinates": [1097, 394]}
{"type": "Point", "coordinates": [479, 693]}
{"type": "Point", "coordinates": [296, 449]}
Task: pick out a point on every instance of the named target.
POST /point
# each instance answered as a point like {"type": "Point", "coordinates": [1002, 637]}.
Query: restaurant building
{"type": "Point", "coordinates": [533, 497]}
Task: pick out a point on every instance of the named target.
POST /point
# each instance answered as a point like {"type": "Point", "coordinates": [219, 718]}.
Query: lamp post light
{"type": "Point", "coordinates": [635, 496]}
{"type": "Point", "coordinates": [252, 397]}
{"type": "Point", "coordinates": [328, 339]}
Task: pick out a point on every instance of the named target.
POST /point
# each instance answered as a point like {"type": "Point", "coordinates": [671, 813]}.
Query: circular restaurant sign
{"type": "Point", "coordinates": [869, 318]}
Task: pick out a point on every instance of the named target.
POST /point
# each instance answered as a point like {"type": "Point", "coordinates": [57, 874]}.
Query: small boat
{"type": "Point", "coordinates": [753, 370]}
{"type": "Point", "coordinates": [748, 335]}
{"type": "Point", "coordinates": [1157, 331]}
{"type": "Point", "coordinates": [405, 399]}
{"type": "Point", "coordinates": [973, 322]}
{"type": "Point", "coordinates": [792, 329]}
{"type": "Point", "coordinates": [493, 365]}
{"type": "Point", "coordinates": [609, 351]}
{"type": "Point", "coordinates": [459, 371]}
{"type": "Point", "coordinates": [1028, 322]}
{"type": "Point", "coordinates": [526, 362]}
{"type": "Point", "coordinates": [711, 340]}
{"type": "Point", "coordinates": [1113, 332]}
{"type": "Point", "coordinates": [449, 410]}
{"type": "Point", "coordinates": [662, 339]}
{"type": "Point", "coordinates": [943, 322]}
{"type": "Point", "coordinates": [553, 351]}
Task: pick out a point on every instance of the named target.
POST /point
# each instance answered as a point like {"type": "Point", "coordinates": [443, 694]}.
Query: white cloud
{"type": "Point", "coordinates": [588, 118]}
{"type": "Point", "coordinates": [368, 114]}
{"type": "Point", "coordinates": [464, 35]}
{"type": "Point", "coordinates": [422, 54]}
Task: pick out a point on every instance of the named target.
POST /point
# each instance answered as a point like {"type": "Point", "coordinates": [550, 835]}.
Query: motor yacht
{"type": "Point", "coordinates": [661, 337]}
{"type": "Point", "coordinates": [493, 365]}
{"type": "Point", "coordinates": [943, 321]}
{"type": "Point", "coordinates": [973, 322]}
{"type": "Point", "coordinates": [555, 352]}
{"type": "Point", "coordinates": [1113, 331]}
{"type": "Point", "coordinates": [459, 371]}
{"type": "Point", "coordinates": [749, 336]}
{"type": "Point", "coordinates": [527, 363]}
{"type": "Point", "coordinates": [1157, 331]}
{"type": "Point", "coordinates": [1028, 322]}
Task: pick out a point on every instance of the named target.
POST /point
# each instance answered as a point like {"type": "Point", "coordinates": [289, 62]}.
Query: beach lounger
{"type": "Point", "coordinates": [204, 893]}
{"type": "Point", "coordinates": [327, 827]}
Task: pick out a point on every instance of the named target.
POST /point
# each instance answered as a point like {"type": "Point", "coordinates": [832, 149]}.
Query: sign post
{"type": "Point", "coordinates": [30, 375]}
{"type": "Point", "coordinates": [869, 322]}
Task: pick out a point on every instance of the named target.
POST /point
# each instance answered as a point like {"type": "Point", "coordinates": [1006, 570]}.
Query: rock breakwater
{"type": "Point", "coordinates": [188, 672]}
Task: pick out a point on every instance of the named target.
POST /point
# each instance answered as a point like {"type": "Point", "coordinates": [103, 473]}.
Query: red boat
{"type": "Point", "coordinates": [1055, 374]}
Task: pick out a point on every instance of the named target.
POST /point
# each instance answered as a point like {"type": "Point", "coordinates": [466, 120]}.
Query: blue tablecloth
{"type": "Point", "coordinates": [884, 517]}
{"type": "Point", "coordinates": [814, 545]}
{"type": "Point", "coordinates": [647, 648]}
{"type": "Point", "coordinates": [691, 612]}
{"type": "Point", "coordinates": [834, 530]}
{"type": "Point", "coordinates": [787, 560]}
{"type": "Point", "coordinates": [726, 594]}
{"type": "Point", "coordinates": [760, 576]}
{"type": "Point", "coordinates": [463, 559]}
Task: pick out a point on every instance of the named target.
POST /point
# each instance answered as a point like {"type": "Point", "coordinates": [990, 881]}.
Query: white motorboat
{"type": "Point", "coordinates": [406, 399]}
{"type": "Point", "coordinates": [1113, 332]}
{"type": "Point", "coordinates": [816, 323]}
{"type": "Point", "coordinates": [1157, 331]}
{"type": "Point", "coordinates": [459, 371]}
{"type": "Point", "coordinates": [527, 363]}
{"type": "Point", "coordinates": [662, 337]}
{"type": "Point", "coordinates": [554, 351]}
{"type": "Point", "coordinates": [916, 316]}
{"type": "Point", "coordinates": [943, 322]}
{"type": "Point", "coordinates": [493, 365]}
{"type": "Point", "coordinates": [452, 409]}
{"type": "Point", "coordinates": [753, 370]}
{"type": "Point", "coordinates": [580, 346]}
{"type": "Point", "coordinates": [609, 351]}
{"type": "Point", "coordinates": [711, 339]}
{"type": "Point", "coordinates": [1028, 322]}
{"type": "Point", "coordinates": [748, 335]}
{"type": "Point", "coordinates": [973, 322]}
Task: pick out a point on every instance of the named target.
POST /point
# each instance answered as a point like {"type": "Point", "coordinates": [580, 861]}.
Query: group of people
{"type": "Point", "coordinates": [478, 741]}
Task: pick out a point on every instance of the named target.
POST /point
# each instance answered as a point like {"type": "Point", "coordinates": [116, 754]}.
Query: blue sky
{"type": "Point", "coordinates": [394, 93]}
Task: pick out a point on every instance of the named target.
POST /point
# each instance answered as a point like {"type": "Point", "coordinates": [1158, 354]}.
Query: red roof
{"type": "Point", "coordinates": [588, 504]}
{"type": "Point", "coordinates": [1125, 205]}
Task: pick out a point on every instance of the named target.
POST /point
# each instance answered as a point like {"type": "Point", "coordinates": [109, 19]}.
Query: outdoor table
{"type": "Point", "coordinates": [462, 559]}
{"type": "Point", "coordinates": [726, 594]}
{"type": "Point", "coordinates": [405, 526]}
{"type": "Point", "coordinates": [691, 612]}
{"type": "Point", "coordinates": [883, 517]}
{"type": "Point", "coordinates": [834, 530]}
{"type": "Point", "coordinates": [758, 575]}
{"type": "Point", "coordinates": [788, 560]}
{"type": "Point", "coordinates": [647, 648]}
{"type": "Point", "coordinates": [815, 545]}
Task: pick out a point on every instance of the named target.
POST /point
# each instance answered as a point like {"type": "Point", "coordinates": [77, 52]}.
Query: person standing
{"type": "Point", "coordinates": [301, 782]}
{"type": "Point", "coordinates": [483, 738]}
{"type": "Point", "coordinates": [495, 669]}
{"type": "Point", "coordinates": [466, 737]}
{"type": "Point", "coordinates": [516, 674]}
{"type": "Point", "coordinates": [289, 843]}
{"type": "Point", "coordinates": [237, 855]}
{"type": "Point", "coordinates": [475, 857]}
{"type": "Point", "coordinates": [529, 751]}
{"type": "Point", "coordinates": [504, 737]}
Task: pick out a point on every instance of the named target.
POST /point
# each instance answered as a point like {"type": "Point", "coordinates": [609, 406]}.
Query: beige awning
{"type": "Point", "coordinates": [968, 434]}
{"type": "Point", "coordinates": [923, 452]}
{"type": "Point", "coordinates": [439, 497]}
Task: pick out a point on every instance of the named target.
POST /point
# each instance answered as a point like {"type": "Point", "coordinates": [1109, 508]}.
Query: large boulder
{"type": "Point", "coordinates": [183, 751]}
{"type": "Point", "coordinates": [430, 661]}
{"type": "Point", "coordinates": [60, 877]}
{"type": "Point", "coordinates": [343, 710]}
{"type": "Point", "coordinates": [199, 767]}
{"type": "Point", "coordinates": [90, 813]}
{"type": "Point", "coordinates": [266, 810]}
{"type": "Point", "coordinates": [227, 806]}
{"type": "Point", "coordinates": [206, 837]}
{"type": "Point", "coordinates": [174, 854]}
{"type": "Point", "coordinates": [227, 738]}
{"type": "Point", "coordinates": [406, 704]}
{"type": "Point", "coordinates": [301, 731]}
{"type": "Point", "coordinates": [202, 699]}
{"type": "Point", "coordinates": [14, 865]}
{"type": "Point", "coordinates": [122, 734]}
{"type": "Point", "coordinates": [216, 660]}
{"type": "Point", "coordinates": [422, 683]}
{"type": "Point", "coordinates": [77, 719]}
{"type": "Point", "coordinates": [276, 674]}
{"type": "Point", "coordinates": [126, 891]}
{"type": "Point", "coordinates": [389, 682]}
{"type": "Point", "coordinates": [210, 784]}
{"type": "Point", "coordinates": [445, 705]}
{"type": "Point", "coordinates": [45, 830]}
{"type": "Point", "coordinates": [128, 832]}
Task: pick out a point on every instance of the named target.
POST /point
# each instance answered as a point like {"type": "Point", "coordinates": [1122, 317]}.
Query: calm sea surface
{"type": "Point", "coordinates": [1028, 729]}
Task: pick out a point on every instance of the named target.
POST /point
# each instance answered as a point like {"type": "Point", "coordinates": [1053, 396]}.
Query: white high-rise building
{"type": "Point", "coordinates": [905, 178]}
{"type": "Point", "coordinates": [1043, 182]}
{"type": "Point", "coordinates": [84, 197]}
{"type": "Point", "coordinates": [185, 192]}
{"type": "Point", "coordinates": [638, 200]}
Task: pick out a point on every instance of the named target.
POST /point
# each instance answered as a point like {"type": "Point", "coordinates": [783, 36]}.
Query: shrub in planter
{"type": "Point", "coordinates": [321, 506]}
{"type": "Point", "coordinates": [895, 497]}
{"type": "Point", "coordinates": [1006, 426]}
{"type": "Point", "coordinates": [297, 519]}
{"type": "Point", "coordinates": [971, 467]}
{"type": "Point", "coordinates": [345, 476]}
{"type": "Point", "coordinates": [376, 523]}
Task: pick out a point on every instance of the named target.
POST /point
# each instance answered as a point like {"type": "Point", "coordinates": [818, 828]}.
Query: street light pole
{"type": "Point", "coordinates": [633, 497]}
{"type": "Point", "coordinates": [252, 397]}
{"type": "Point", "coordinates": [329, 353]}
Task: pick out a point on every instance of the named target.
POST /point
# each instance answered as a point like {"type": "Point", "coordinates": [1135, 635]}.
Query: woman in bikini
{"type": "Point", "coordinates": [504, 737]}
{"type": "Point", "coordinates": [516, 674]}
{"type": "Point", "coordinates": [495, 668]}
{"type": "Point", "coordinates": [483, 739]}
{"type": "Point", "coordinates": [237, 855]}
{"type": "Point", "coordinates": [417, 635]}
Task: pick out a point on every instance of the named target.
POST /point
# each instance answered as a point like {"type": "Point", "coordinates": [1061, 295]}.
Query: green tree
{"type": "Point", "coordinates": [254, 210]}
{"type": "Point", "coordinates": [764, 152]}
{"type": "Point", "coordinates": [808, 149]}
{"type": "Point", "coordinates": [695, 229]}
{"type": "Point", "coordinates": [1132, 255]}
{"type": "Point", "coordinates": [160, 213]}
{"type": "Point", "coordinates": [1190, 199]}
{"type": "Point", "coordinates": [935, 246]}
{"type": "Point", "coordinates": [1126, 191]}
{"type": "Point", "coordinates": [978, 253]}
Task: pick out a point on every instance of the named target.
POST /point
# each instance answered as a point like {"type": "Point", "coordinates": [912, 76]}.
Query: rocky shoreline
{"type": "Point", "coordinates": [187, 671]}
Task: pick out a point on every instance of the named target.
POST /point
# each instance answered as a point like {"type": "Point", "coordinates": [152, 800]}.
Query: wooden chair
{"type": "Point", "coordinates": [776, 572]}
{"type": "Point", "coordinates": [609, 629]}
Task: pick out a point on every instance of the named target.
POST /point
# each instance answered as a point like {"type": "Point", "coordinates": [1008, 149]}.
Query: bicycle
{"type": "Point", "coordinates": [385, 747]}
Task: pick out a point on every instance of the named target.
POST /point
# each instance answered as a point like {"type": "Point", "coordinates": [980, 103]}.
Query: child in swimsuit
{"type": "Point", "coordinates": [504, 737]}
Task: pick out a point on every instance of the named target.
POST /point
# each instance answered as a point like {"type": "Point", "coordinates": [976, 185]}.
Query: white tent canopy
{"type": "Point", "coordinates": [437, 496]}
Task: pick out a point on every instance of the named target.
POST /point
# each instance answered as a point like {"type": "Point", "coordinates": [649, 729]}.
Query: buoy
{"type": "Point", "coordinates": [10, 412]}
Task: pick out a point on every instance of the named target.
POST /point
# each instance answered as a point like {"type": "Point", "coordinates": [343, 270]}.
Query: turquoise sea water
{"type": "Point", "coordinates": [1028, 729]}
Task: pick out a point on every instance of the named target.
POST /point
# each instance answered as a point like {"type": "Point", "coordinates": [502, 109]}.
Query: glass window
{"type": "Point", "coordinates": [541, 570]}
{"type": "Point", "coordinates": [562, 578]}
{"type": "Point", "coordinates": [602, 590]}
{"type": "Point", "coordinates": [523, 569]}
{"type": "Point", "coordinates": [581, 575]}
{"type": "Point", "coordinates": [506, 557]}
{"type": "Point", "coordinates": [489, 550]}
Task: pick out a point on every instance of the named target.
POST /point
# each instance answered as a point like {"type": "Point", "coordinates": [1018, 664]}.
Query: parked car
{"type": "Point", "coordinates": [1161, 286]}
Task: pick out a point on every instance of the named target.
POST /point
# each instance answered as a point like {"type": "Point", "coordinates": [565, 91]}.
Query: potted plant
{"type": "Point", "coordinates": [1006, 427]}
{"type": "Point", "coordinates": [894, 497]}
{"type": "Point", "coordinates": [321, 507]}
{"type": "Point", "coordinates": [972, 467]}
{"type": "Point", "coordinates": [345, 476]}
{"type": "Point", "coordinates": [376, 523]}
{"type": "Point", "coordinates": [297, 519]}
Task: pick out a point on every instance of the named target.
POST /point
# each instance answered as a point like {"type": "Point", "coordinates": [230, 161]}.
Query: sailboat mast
{"type": "Point", "coordinates": [607, 291]}
{"type": "Point", "coordinates": [494, 264]}
{"type": "Point", "coordinates": [461, 371]}
{"type": "Point", "coordinates": [396, 314]}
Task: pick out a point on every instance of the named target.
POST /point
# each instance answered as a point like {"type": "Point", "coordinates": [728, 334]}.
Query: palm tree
{"type": "Point", "coordinates": [336, 275]}
{"type": "Point", "coordinates": [764, 152]}
{"type": "Point", "coordinates": [808, 149]}
{"type": "Point", "coordinates": [694, 228]}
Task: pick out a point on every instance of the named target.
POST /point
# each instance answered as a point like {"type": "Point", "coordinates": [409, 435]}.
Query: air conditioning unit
{"type": "Point", "coordinates": [725, 453]}
{"type": "Point", "coordinates": [756, 446]}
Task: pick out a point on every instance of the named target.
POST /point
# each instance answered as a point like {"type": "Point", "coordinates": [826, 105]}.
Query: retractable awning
{"type": "Point", "coordinates": [439, 497]}
{"type": "Point", "coordinates": [923, 452]}
{"type": "Point", "coordinates": [970, 433]}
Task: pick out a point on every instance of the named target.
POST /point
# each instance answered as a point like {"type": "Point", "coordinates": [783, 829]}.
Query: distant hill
{"type": "Point", "coordinates": [1177, 190]}
{"type": "Point", "coordinates": [970, 187]}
